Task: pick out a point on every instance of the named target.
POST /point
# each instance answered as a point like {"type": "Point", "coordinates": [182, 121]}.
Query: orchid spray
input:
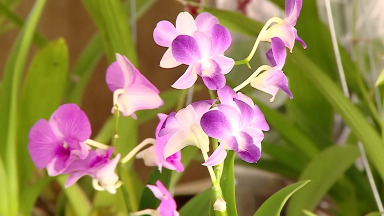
{"type": "Point", "coordinates": [232, 121]}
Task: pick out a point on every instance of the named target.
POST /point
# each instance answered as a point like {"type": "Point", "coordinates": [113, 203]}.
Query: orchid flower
{"type": "Point", "coordinates": [167, 206]}
{"type": "Point", "coordinates": [238, 123]}
{"type": "Point", "coordinates": [132, 91]}
{"type": "Point", "coordinates": [286, 30]}
{"type": "Point", "coordinates": [56, 143]}
{"type": "Point", "coordinates": [184, 128]}
{"type": "Point", "coordinates": [274, 79]}
{"type": "Point", "coordinates": [154, 155]}
{"type": "Point", "coordinates": [200, 44]}
{"type": "Point", "coordinates": [97, 165]}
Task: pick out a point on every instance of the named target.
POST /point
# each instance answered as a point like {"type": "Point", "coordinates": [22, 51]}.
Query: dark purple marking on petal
{"type": "Point", "coordinates": [215, 124]}
{"type": "Point", "coordinates": [245, 147]}
{"type": "Point", "coordinates": [270, 58]}
{"type": "Point", "coordinates": [279, 52]}
{"type": "Point", "coordinates": [279, 79]}
{"type": "Point", "coordinates": [170, 125]}
{"type": "Point", "coordinates": [221, 40]}
{"type": "Point", "coordinates": [186, 50]}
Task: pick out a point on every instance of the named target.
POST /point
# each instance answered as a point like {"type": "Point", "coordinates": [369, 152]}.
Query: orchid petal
{"type": "Point", "coordinates": [70, 121]}
{"type": "Point", "coordinates": [226, 95]}
{"type": "Point", "coordinates": [247, 113]}
{"type": "Point", "coordinates": [186, 80]}
{"type": "Point", "coordinates": [204, 42]}
{"type": "Point", "coordinates": [283, 31]}
{"type": "Point", "coordinates": [221, 40]}
{"type": "Point", "coordinates": [170, 126]}
{"type": "Point", "coordinates": [202, 107]}
{"type": "Point", "coordinates": [186, 50]}
{"type": "Point", "coordinates": [245, 99]}
{"type": "Point", "coordinates": [292, 10]}
{"type": "Point", "coordinates": [217, 156]}
{"type": "Point", "coordinates": [226, 64]}
{"type": "Point", "coordinates": [213, 78]}
{"type": "Point", "coordinates": [215, 124]}
{"type": "Point", "coordinates": [270, 58]}
{"type": "Point", "coordinates": [258, 83]}
{"type": "Point", "coordinates": [231, 113]}
{"type": "Point", "coordinates": [297, 38]}
{"type": "Point", "coordinates": [178, 141]}
{"type": "Point", "coordinates": [149, 156]}
{"type": "Point", "coordinates": [279, 80]}
{"type": "Point", "coordinates": [74, 177]}
{"type": "Point", "coordinates": [168, 61]}
{"type": "Point", "coordinates": [205, 21]}
{"type": "Point", "coordinates": [164, 33]}
{"type": "Point", "coordinates": [185, 24]}
{"type": "Point", "coordinates": [259, 121]}
{"type": "Point", "coordinates": [126, 68]}
{"type": "Point", "coordinates": [187, 116]}
{"type": "Point", "coordinates": [115, 77]}
{"type": "Point", "coordinates": [279, 52]}
{"type": "Point", "coordinates": [244, 146]}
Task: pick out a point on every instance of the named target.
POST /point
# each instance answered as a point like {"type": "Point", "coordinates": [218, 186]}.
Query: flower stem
{"type": "Point", "coordinates": [116, 125]}
{"type": "Point", "coordinates": [96, 144]}
{"type": "Point", "coordinates": [253, 76]}
{"type": "Point", "coordinates": [137, 149]}
{"type": "Point", "coordinates": [258, 39]}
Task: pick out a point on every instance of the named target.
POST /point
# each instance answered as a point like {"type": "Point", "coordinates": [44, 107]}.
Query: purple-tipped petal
{"type": "Point", "coordinates": [115, 77]}
{"type": "Point", "coordinates": [41, 142]}
{"type": "Point", "coordinates": [270, 58]}
{"type": "Point", "coordinates": [204, 42]}
{"type": "Point", "coordinates": [256, 134]}
{"type": "Point", "coordinates": [232, 113]}
{"type": "Point", "coordinates": [212, 77]}
{"type": "Point", "coordinates": [173, 162]}
{"type": "Point", "coordinates": [185, 24]}
{"type": "Point", "coordinates": [202, 107]}
{"type": "Point", "coordinates": [297, 38]}
{"type": "Point", "coordinates": [70, 121]}
{"type": "Point", "coordinates": [247, 113]}
{"type": "Point", "coordinates": [245, 99]}
{"type": "Point", "coordinates": [205, 21]}
{"type": "Point", "coordinates": [292, 10]}
{"type": "Point", "coordinates": [164, 33]}
{"type": "Point", "coordinates": [259, 83]}
{"type": "Point", "coordinates": [283, 31]}
{"type": "Point", "coordinates": [245, 147]}
{"type": "Point", "coordinates": [168, 61]}
{"type": "Point", "coordinates": [279, 52]}
{"type": "Point", "coordinates": [279, 80]}
{"type": "Point", "coordinates": [217, 156]}
{"type": "Point", "coordinates": [170, 126]}
{"type": "Point", "coordinates": [215, 124]}
{"type": "Point", "coordinates": [221, 40]}
{"type": "Point", "coordinates": [74, 177]}
{"type": "Point", "coordinates": [168, 204]}
{"type": "Point", "coordinates": [259, 120]}
{"type": "Point", "coordinates": [226, 95]}
{"type": "Point", "coordinates": [226, 64]}
{"type": "Point", "coordinates": [186, 50]}
{"type": "Point", "coordinates": [186, 80]}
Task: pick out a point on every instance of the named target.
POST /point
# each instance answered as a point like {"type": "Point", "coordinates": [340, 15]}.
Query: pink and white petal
{"type": "Point", "coordinates": [174, 165]}
{"type": "Point", "coordinates": [187, 116]}
{"type": "Point", "coordinates": [178, 141]}
{"type": "Point", "coordinates": [127, 68]}
{"type": "Point", "coordinates": [245, 99]}
{"type": "Point", "coordinates": [244, 146]}
{"type": "Point", "coordinates": [279, 52]}
{"type": "Point", "coordinates": [186, 50]}
{"type": "Point", "coordinates": [202, 107]}
{"type": "Point", "coordinates": [170, 126]}
{"type": "Point", "coordinates": [70, 121]}
{"type": "Point", "coordinates": [232, 113]}
{"type": "Point", "coordinates": [186, 80]}
{"type": "Point", "coordinates": [215, 124]}
{"type": "Point", "coordinates": [149, 156]}
{"type": "Point", "coordinates": [270, 58]}
{"type": "Point", "coordinates": [279, 80]}
{"type": "Point", "coordinates": [114, 77]}
{"type": "Point", "coordinates": [226, 64]}
{"type": "Point", "coordinates": [139, 78]}
{"type": "Point", "coordinates": [168, 204]}
{"type": "Point", "coordinates": [204, 42]}
{"type": "Point", "coordinates": [292, 11]}
{"type": "Point", "coordinates": [256, 134]}
{"type": "Point", "coordinates": [107, 176]}
{"type": "Point", "coordinates": [282, 31]}
{"type": "Point", "coordinates": [212, 77]}
{"type": "Point", "coordinates": [185, 24]}
{"type": "Point", "coordinates": [221, 40]}
{"type": "Point", "coordinates": [259, 121]}
{"type": "Point", "coordinates": [156, 191]}
{"type": "Point", "coordinates": [258, 83]}
{"type": "Point", "coordinates": [139, 98]}
{"type": "Point", "coordinates": [164, 33]}
{"type": "Point", "coordinates": [41, 143]}
{"type": "Point", "coordinates": [246, 112]}
{"type": "Point", "coordinates": [168, 61]}
{"type": "Point", "coordinates": [217, 156]}
{"type": "Point", "coordinates": [205, 21]}
{"type": "Point", "coordinates": [74, 177]}
{"type": "Point", "coordinates": [226, 95]}
{"type": "Point", "coordinates": [297, 38]}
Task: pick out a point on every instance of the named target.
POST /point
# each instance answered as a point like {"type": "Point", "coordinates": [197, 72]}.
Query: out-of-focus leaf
{"type": "Point", "coordinates": [227, 183]}
{"type": "Point", "coordinates": [109, 204]}
{"type": "Point", "coordinates": [274, 166]}
{"type": "Point", "coordinates": [198, 205]}
{"type": "Point", "coordinates": [309, 213]}
{"type": "Point", "coordinates": [323, 173]}
{"type": "Point", "coordinates": [3, 195]}
{"type": "Point", "coordinates": [275, 203]}
{"type": "Point", "coordinates": [284, 155]}
{"type": "Point", "coordinates": [42, 93]}
{"type": "Point", "coordinates": [76, 196]}
{"type": "Point", "coordinates": [12, 76]}
{"type": "Point", "coordinates": [374, 214]}
{"type": "Point", "coordinates": [187, 155]}
{"type": "Point", "coordinates": [380, 80]}
{"type": "Point", "coordinates": [148, 200]}
{"type": "Point", "coordinates": [38, 39]}
{"type": "Point", "coordinates": [29, 196]}
{"type": "Point", "coordinates": [141, 7]}
{"type": "Point", "coordinates": [106, 132]}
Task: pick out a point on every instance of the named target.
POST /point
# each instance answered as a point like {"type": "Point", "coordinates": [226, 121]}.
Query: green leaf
{"type": "Point", "coordinates": [380, 80]}
{"type": "Point", "coordinates": [42, 93]}
{"type": "Point", "coordinates": [30, 195]}
{"type": "Point", "coordinates": [285, 155]}
{"type": "Point", "coordinates": [198, 205]}
{"type": "Point", "coordinates": [12, 76]}
{"type": "Point", "coordinates": [273, 166]}
{"type": "Point", "coordinates": [374, 214]}
{"type": "Point", "coordinates": [76, 196]}
{"type": "Point", "coordinates": [275, 203]}
{"type": "Point", "coordinates": [148, 200]}
{"type": "Point", "coordinates": [227, 183]}
{"type": "Point", "coordinates": [323, 173]}
{"type": "Point", "coordinates": [3, 196]}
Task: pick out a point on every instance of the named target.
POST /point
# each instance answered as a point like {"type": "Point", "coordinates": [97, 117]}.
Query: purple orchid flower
{"type": "Point", "coordinates": [138, 92]}
{"type": "Point", "coordinates": [97, 165]}
{"type": "Point", "coordinates": [167, 206]}
{"type": "Point", "coordinates": [238, 123]}
{"type": "Point", "coordinates": [184, 128]}
{"type": "Point", "coordinates": [287, 31]}
{"type": "Point", "coordinates": [154, 155]}
{"type": "Point", "coordinates": [199, 44]}
{"type": "Point", "coordinates": [54, 144]}
{"type": "Point", "coordinates": [274, 79]}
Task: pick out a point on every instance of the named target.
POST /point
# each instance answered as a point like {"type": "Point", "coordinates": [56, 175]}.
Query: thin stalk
{"type": "Point", "coordinates": [258, 39]}
{"type": "Point", "coordinates": [346, 93]}
{"type": "Point", "coordinates": [182, 98]}
{"type": "Point", "coordinates": [137, 149]}
{"type": "Point", "coordinates": [97, 144]}
{"type": "Point", "coordinates": [190, 95]}
{"type": "Point", "coordinates": [116, 113]}
{"type": "Point", "coordinates": [252, 77]}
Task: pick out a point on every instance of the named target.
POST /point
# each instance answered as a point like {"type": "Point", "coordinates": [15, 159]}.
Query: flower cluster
{"type": "Point", "coordinates": [62, 145]}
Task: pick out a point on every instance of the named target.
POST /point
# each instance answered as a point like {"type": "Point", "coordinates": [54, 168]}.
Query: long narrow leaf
{"type": "Point", "coordinates": [198, 205]}
{"type": "Point", "coordinates": [227, 183]}
{"type": "Point", "coordinates": [3, 195]}
{"type": "Point", "coordinates": [29, 196]}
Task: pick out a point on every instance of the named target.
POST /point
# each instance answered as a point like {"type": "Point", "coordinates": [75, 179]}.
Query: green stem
{"type": "Point", "coordinates": [218, 201]}
{"type": "Point", "coordinates": [116, 125]}
{"type": "Point", "coordinates": [183, 96]}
